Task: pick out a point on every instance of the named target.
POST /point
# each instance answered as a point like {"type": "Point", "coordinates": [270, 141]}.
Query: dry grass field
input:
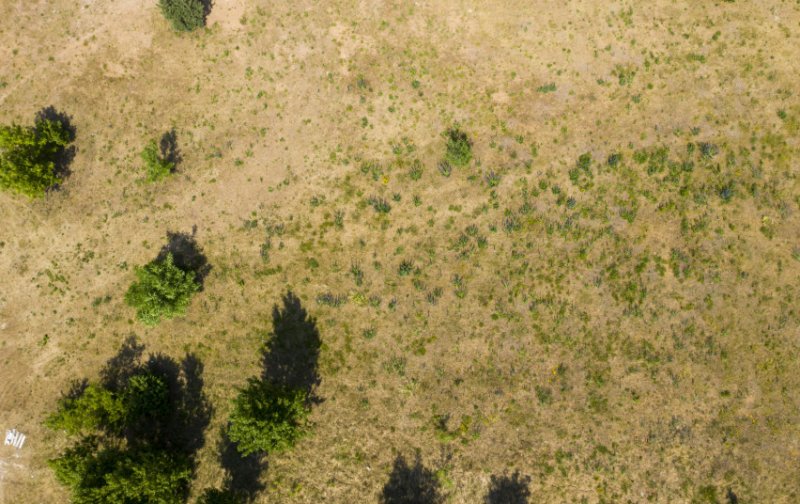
{"type": "Point", "coordinates": [605, 301]}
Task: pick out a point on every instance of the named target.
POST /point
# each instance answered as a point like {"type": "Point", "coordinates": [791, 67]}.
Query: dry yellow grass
{"type": "Point", "coordinates": [631, 339]}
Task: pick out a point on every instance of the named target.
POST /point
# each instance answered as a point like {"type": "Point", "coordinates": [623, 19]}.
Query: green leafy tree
{"type": "Point", "coordinates": [109, 474]}
{"type": "Point", "coordinates": [267, 417]}
{"type": "Point", "coordinates": [184, 15]}
{"type": "Point", "coordinates": [95, 407]}
{"type": "Point", "coordinates": [156, 166]}
{"type": "Point", "coordinates": [459, 147]}
{"type": "Point", "coordinates": [162, 290]}
{"type": "Point", "coordinates": [28, 156]}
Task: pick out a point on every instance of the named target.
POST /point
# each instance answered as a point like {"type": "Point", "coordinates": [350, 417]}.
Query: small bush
{"type": "Point", "coordinates": [163, 290]}
{"type": "Point", "coordinates": [184, 15]}
{"type": "Point", "coordinates": [156, 167]}
{"type": "Point", "coordinates": [416, 170]}
{"type": "Point", "coordinates": [267, 417]}
{"type": "Point", "coordinates": [459, 147]}
{"type": "Point", "coordinates": [444, 168]}
{"type": "Point", "coordinates": [380, 205]}
{"type": "Point", "coordinates": [406, 268]}
{"type": "Point", "coordinates": [28, 156]}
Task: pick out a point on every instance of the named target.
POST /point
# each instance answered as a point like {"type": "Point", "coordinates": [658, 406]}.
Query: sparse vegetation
{"type": "Point", "coordinates": [530, 258]}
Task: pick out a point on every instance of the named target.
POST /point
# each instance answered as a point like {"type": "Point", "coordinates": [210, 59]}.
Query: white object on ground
{"type": "Point", "coordinates": [14, 438]}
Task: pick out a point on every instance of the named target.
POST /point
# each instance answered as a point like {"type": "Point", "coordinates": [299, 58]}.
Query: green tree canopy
{"type": "Point", "coordinates": [28, 156]}
{"type": "Point", "coordinates": [101, 473]}
{"type": "Point", "coordinates": [267, 417]}
{"type": "Point", "coordinates": [162, 290]}
{"type": "Point", "coordinates": [137, 430]}
{"type": "Point", "coordinates": [184, 15]}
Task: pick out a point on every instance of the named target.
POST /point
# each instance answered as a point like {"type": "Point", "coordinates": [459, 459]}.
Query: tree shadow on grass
{"type": "Point", "coordinates": [120, 368]}
{"type": "Point", "coordinates": [187, 255]}
{"type": "Point", "coordinates": [207, 6]}
{"type": "Point", "coordinates": [289, 359]}
{"type": "Point", "coordinates": [291, 355]}
{"type": "Point", "coordinates": [508, 489]}
{"type": "Point", "coordinates": [169, 148]}
{"type": "Point", "coordinates": [242, 473]}
{"type": "Point", "coordinates": [66, 155]}
{"type": "Point", "coordinates": [411, 484]}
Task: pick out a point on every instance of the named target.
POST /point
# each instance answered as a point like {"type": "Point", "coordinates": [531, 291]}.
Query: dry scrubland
{"type": "Point", "coordinates": [617, 329]}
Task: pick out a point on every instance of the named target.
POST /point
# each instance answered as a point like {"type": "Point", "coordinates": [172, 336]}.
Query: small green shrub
{"type": "Point", "coordinates": [444, 168]}
{"type": "Point", "coordinates": [459, 147]}
{"type": "Point", "coordinates": [156, 167]}
{"type": "Point", "coordinates": [184, 15]}
{"type": "Point", "coordinates": [406, 268]}
{"type": "Point", "coordinates": [380, 205]}
{"type": "Point", "coordinates": [28, 156]}
{"type": "Point", "coordinates": [163, 290]}
{"type": "Point", "coordinates": [267, 417]}
{"type": "Point", "coordinates": [416, 170]}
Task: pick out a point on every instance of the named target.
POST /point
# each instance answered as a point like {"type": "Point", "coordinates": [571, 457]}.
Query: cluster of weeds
{"type": "Point", "coordinates": [380, 205]}
{"type": "Point", "coordinates": [581, 175]}
{"type": "Point", "coordinates": [330, 299]}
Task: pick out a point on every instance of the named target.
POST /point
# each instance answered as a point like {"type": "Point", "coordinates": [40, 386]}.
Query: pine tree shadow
{"type": "Point", "coordinates": [411, 484]}
{"type": "Point", "coordinates": [169, 148]}
{"type": "Point", "coordinates": [66, 155]}
{"type": "Point", "coordinates": [291, 355]}
{"type": "Point", "coordinates": [508, 489]}
{"type": "Point", "coordinates": [187, 254]}
{"type": "Point", "coordinates": [242, 473]}
{"type": "Point", "coordinates": [207, 5]}
{"type": "Point", "coordinates": [120, 368]}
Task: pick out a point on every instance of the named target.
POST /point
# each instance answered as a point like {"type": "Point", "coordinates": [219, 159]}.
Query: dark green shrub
{"type": "Point", "coordinates": [267, 417]}
{"type": "Point", "coordinates": [105, 474]}
{"type": "Point", "coordinates": [459, 147]}
{"type": "Point", "coordinates": [28, 156]}
{"type": "Point", "coordinates": [184, 15]}
{"type": "Point", "coordinates": [162, 290]}
{"type": "Point", "coordinates": [156, 167]}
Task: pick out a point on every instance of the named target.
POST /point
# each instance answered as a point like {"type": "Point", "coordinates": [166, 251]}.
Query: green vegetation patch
{"type": "Point", "coordinates": [29, 156]}
{"type": "Point", "coordinates": [162, 290]}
